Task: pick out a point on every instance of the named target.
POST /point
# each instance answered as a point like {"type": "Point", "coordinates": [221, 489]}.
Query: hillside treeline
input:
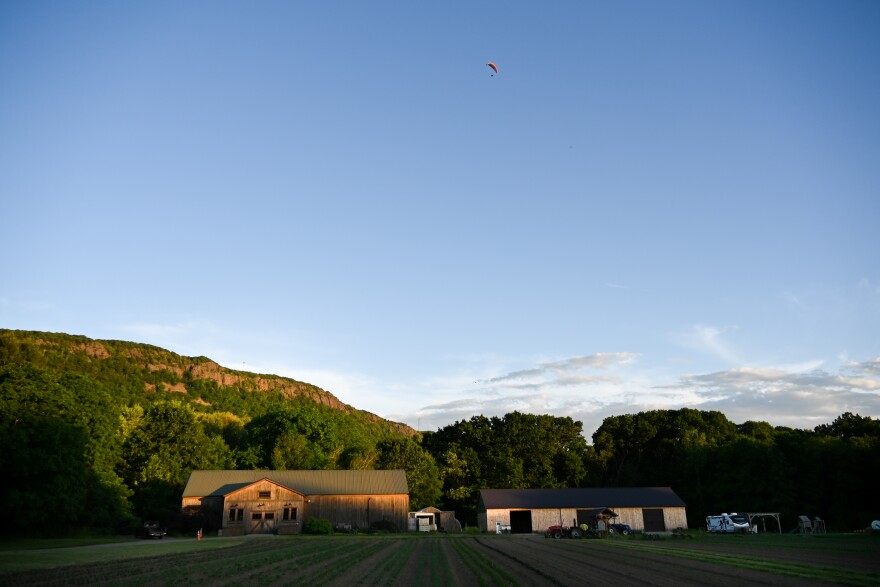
{"type": "Point", "coordinates": [832, 471]}
{"type": "Point", "coordinates": [98, 438]}
{"type": "Point", "coordinates": [74, 459]}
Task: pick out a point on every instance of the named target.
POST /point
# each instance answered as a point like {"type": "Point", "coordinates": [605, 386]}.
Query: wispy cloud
{"type": "Point", "coordinates": [709, 340]}
{"type": "Point", "coordinates": [869, 367]}
{"type": "Point", "coordinates": [591, 388]}
{"type": "Point", "coordinates": [552, 371]}
{"type": "Point", "coordinates": [793, 301]}
{"type": "Point", "coordinates": [576, 386]}
{"type": "Point", "coordinates": [800, 400]}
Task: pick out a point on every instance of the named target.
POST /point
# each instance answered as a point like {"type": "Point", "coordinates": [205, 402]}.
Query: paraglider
{"type": "Point", "coordinates": [494, 68]}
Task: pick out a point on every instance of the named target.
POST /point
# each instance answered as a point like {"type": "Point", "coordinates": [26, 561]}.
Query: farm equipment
{"type": "Point", "coordinates": [563, 532]}
{"type": "Point", "coordinates": [502, 528]}
{"type": "Point", "coordinates": [624, 529]}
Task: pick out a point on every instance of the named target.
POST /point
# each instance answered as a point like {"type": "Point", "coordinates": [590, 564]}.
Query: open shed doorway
{"type": "Point", "coordinates": [521, 522]}
{"type": "Point", "coordinates": [653, 520]}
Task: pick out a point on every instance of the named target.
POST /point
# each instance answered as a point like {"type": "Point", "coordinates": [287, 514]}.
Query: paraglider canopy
{"type": "Point", "coordinates": [494, 68]}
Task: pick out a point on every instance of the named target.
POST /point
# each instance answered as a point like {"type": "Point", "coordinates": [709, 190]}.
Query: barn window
{"type": "Point", "coordinates": [289, 514]}
{"type": "Point", "coordinates": [265, 495]}
{"type": "Point", "coordinates": [257, 516]}
{"type": "Point", "coordinates": [270, 515]}
{"type": "Point", "coordinates": [232, 515]}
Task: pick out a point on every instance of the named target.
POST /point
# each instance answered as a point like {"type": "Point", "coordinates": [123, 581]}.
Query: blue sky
{"type": "Point", "coordinates": [652, 205]}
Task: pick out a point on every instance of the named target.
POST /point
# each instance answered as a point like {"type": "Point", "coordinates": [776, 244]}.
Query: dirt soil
{"type": "Point", "coordinates": [467, 560]}
{"type": "Point", "coordinates": [568, 562]}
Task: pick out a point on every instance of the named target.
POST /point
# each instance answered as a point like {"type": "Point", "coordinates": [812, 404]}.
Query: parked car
{"type": "Point", "coordinates": [151, 530]}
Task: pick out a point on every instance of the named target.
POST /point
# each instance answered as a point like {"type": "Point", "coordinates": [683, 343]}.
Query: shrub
{"type": "Point", "coordinates": [316, 526]}
{"type": "Point", "coordinates": [384, 526]}
{"type": "Point", "coordinates": [472, 530]}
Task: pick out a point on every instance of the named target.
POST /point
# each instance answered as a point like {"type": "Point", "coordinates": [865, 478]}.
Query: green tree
{"type": "Point", "coordinates": [59, 439]}
{"type": "Point", "coordinates": [43, 463]}
{"type": "Point", "coordinates": [516, 451]}
{"type": "Point", "coordinates": [359, 457]}
{"type": "Point", "coordinates": [162, 451]}
{"type": "Point", "coordinates": [297, 436]}
{"type": "Point", "coordinates": [645, 448]}
{"type": "Point", "coordinates": [422, 474]}
{"type": "Point", "coordinates": [760, 431]}
{"type": "Point", "coordinates": [849, 425]}
{"type": "Point", "coordinates": [293, 450]}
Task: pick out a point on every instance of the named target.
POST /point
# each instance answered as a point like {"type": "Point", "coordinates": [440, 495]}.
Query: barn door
{"type": "Point", "coordinates": [521, 522]}
{"type": "Point", "coordinates": [586, 517]}
{"type": "Point", "coordinates": [262, 523]}
{"type": "Point", "coordinates": [653, 520]}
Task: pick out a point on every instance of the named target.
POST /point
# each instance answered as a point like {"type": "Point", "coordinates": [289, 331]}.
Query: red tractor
{"type": "Point", "coordinates": [563, 532]}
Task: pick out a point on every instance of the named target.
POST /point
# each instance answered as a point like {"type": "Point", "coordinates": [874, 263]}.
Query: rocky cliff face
{"type": "Point", "coordinates": [172, 371]}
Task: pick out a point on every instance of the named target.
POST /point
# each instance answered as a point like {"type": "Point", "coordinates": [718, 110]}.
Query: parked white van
{"type": "Point", "coordinates": [728, 523]}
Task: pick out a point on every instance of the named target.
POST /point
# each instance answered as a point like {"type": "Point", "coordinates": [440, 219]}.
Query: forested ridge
{"type": "Point", "coordinates": [98, 435]}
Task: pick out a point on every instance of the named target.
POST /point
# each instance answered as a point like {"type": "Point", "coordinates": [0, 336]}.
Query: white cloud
{"type": "Point", "coordinates": [871, 367]}
{"type": "Point", "coordinates": [550, 372]}
{"type": "Point", "coordinates": [709, 340]}
{"type": "Point", "coordinates": [587, 388]}
{"type": "Point", "coordinates": [793, 301]}
{"type": "Point", "coordinates": [800, 367]}
{"type": "Point", "coordinates": [799, 399]}
{"type": "Point", "coordinates": [799, 395]}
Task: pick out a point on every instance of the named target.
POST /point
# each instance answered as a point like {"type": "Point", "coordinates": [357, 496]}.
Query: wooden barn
{"type": "Point", "coordinates": [645, 509]}
{"type": "Point", "coordinates": [280, 502]}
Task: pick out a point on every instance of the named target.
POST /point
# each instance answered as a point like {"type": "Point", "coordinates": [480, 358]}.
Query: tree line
{"type": "Point", "coordinates": [713, 464]}
{"type": "Point", "coordinates": [75, 455]}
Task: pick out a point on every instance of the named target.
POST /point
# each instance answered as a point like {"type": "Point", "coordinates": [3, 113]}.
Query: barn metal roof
{"type": "Point", "coordinates": [205, 483]}
{"type": "Point", "coordinates": [610, 497]}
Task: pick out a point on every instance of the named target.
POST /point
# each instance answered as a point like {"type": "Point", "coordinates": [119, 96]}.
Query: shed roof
{"type": "Point", "coordinates": [601, 512]}
{"type": "Point", "coordinates": [205, 483]}
{"type": "Point", "coordinates": [593, 497]}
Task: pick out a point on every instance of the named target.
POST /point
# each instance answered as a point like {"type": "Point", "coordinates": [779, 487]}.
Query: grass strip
{"type": "Point", "coordinates": [801, 570]}
{"type": "Point", "coordinates": [33, 559]}
{"type": "Point", "coordinates": [49, 543]}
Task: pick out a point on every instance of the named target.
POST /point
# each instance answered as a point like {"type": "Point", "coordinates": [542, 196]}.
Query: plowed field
{"type": "Point", "coordinates": [470, 560]}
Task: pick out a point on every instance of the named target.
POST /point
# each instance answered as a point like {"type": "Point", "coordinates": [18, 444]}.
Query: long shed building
{"type": "Point", "coordinates": [280, 502]}
{"type": "Point", "coordinates": [645, 509]}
